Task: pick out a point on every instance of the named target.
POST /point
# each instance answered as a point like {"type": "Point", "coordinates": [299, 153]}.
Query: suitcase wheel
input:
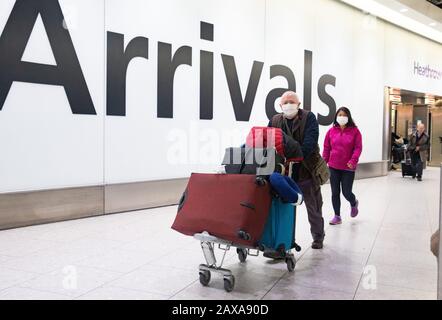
{"type": "Point", "coordinates": [297, 247]}
{"type": "Point", "coordinates": [229, 283]}
{"type": "Point", "coordinates": [291, 263]}
{"type": "Point", "coordinates": [244, 235]}
{"type": "Point", "coordinates": [205, 277]}
{"type": "Point", "coordinates": [242, 254]}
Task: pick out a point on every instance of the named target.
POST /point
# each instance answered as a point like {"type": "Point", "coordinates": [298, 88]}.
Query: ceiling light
{"type": "Point", "coordinates": [394, 16]}
{"type": "Point", "coordinates": [403, 10]}
{"type": "Point", "coordinates": [433, 24]}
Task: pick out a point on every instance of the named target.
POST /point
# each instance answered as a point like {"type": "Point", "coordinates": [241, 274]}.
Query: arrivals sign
{"type": "Point", "coordinates": [69, 74]}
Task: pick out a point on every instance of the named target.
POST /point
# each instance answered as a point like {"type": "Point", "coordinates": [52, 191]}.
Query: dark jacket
{"type": "Point", "coordinates": [292, 148]}
{"type": "Point", "coordinates": [308, 139]}
{"type": "Point", "coordinates": [423, 143]}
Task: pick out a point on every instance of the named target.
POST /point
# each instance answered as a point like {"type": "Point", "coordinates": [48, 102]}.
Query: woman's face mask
{"type": "Point", "coordinates": [290, 110]}
{"type": "Point", "coordinates": [342, 120]}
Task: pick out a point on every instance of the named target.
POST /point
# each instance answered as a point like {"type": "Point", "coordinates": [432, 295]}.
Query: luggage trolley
{"type": "Point", "coordinates": [210, 242]}
{"type": "Point", "coordinates": [208, 245]}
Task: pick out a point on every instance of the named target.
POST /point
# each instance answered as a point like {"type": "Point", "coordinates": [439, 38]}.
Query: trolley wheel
{"type": "Point", "coordinates": [291, 263]}
{"type": "Point", "coordinates": [242, 254]}
{"type": "Point", "coordinates": [260, 181]}
{"type": "Point", "coordinates": [205, 277]}
{"type": "Point", "coordinates": [229, 283]}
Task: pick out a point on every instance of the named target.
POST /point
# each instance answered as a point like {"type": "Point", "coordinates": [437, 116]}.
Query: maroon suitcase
{"type": "Point", "coordinates": [232, 207]}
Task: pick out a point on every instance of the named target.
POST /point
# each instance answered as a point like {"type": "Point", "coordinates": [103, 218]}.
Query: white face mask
{"type": "Point", "coordinates": [290, 110]}
{"type": "Point", "coordinates": [342, 120]}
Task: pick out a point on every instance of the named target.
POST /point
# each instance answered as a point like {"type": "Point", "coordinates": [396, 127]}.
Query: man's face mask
{"type": "Point", "coordinates": [290, 110]}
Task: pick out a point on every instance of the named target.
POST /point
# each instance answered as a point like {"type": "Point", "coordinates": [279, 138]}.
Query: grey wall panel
{"type": "Point", "coordinates": [372, 169]}
{"type": "Point", "coordinates": [404, 119]}
{"type": "Point", "coordinates": [141, 195]}
{"type": "Point", "coordinates": [34, 207]}
{"type": "Point", "coordinates": [386, 126]}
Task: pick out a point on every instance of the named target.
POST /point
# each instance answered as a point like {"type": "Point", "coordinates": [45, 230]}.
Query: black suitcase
{"type": "Point", "coordinates": [256, 161]}
{"type": "Point", "coordinates": [407, 169]}
{"type": "Point", "coordinates": [406, 165]}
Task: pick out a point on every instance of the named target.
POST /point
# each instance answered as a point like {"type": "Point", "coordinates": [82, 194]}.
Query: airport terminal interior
{"type": "Point", "coordinates": [118, 178]}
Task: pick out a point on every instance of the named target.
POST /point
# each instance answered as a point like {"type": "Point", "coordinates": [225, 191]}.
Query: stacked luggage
{"type": "Point", "coordinates": [250, 206]}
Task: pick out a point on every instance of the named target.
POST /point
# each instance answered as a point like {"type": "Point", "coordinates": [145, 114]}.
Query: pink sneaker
{"type": "Point", "coordinates": [336, 220]}
{"type": "Point", "coordinates": [354, 210]}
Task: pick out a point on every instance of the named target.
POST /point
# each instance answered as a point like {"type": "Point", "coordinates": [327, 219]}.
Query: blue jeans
{"type": "Point", "coordinates": [344, 179]}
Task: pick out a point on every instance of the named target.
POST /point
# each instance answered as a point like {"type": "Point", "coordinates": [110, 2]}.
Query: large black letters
{"type": "Point", "coordinates": [325, 80]}
{"type": "Point", "coordinates": [118, 61]}
{"type": "Point", "coordinates": [242, 108]}
{"type": "Point", "coordinates": [66, 73]}
{"type": "Point", "coordinates": [206, 85]}
{"type": "Point", "coordinates": [282, 71]}
{"type": "Point", "coordinates": [167, 66]}
{"type": "Point", "coordinates": [206, 74]}
{"type": "Point", "coordinates": [308, 67]}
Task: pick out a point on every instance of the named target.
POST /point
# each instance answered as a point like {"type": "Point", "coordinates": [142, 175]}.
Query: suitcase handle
{"type": "Point", "coordinates": [248, 205]}
{"type": "Point", "coordinates": [282, 169]}
{"type": "Point", "coordinates": [182, 200]}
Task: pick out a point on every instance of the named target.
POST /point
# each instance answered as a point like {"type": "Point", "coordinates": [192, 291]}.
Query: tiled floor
{"type": "Point", "coordinates": [382, 254]}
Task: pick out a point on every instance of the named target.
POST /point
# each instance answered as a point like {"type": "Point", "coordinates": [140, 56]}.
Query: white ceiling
{"type": "Point", "coordinates": [418, 16]}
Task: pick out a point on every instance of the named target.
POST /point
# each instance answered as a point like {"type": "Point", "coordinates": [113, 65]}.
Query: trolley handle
{"type": "Point", "coordinates": [289, 162]}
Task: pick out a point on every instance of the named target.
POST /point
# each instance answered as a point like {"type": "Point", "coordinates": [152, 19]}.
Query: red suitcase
{"type": "Point", "coordinates": [233, 207]}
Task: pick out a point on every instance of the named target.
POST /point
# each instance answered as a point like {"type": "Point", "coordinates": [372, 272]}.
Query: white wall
{"type": "Point", "coordinates": [343, 45]}
{"type": "Point", "coordinates": [238, 31]}
{"type": "Point", "coordinates": [45, 146]}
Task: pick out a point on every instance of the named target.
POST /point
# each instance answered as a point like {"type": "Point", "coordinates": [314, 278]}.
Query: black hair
{"type": "Point", "coordinates": [350, 122]}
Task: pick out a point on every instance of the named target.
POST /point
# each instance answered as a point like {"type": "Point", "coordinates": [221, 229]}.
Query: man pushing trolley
{"type": "Point", "coordinates": [249, 207]}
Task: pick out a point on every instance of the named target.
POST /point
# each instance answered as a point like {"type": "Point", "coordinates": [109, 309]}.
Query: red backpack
{"type": "Point", "coordinates": [266, 137]}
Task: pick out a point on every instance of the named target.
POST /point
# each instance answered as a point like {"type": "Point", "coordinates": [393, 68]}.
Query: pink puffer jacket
{"type": "Point", "coordinates": [342, 147]}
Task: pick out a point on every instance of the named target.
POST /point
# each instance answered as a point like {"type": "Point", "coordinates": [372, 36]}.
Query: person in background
{"type": "Point", "coordinates": [342, 149]}
{"type": "Point", "coordinates": [302, 126]}
{"type": "Point", "coordinates": [397, 143]}
{"type": "Point", "coordinates": [418, 147]}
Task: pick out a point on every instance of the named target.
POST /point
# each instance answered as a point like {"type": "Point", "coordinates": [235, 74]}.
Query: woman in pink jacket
{"type": "Point", "coordinates": [342, 148]}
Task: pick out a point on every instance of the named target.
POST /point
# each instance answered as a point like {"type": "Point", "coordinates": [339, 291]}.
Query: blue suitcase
{"type": "Point", "coordinates": [279, 229]}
